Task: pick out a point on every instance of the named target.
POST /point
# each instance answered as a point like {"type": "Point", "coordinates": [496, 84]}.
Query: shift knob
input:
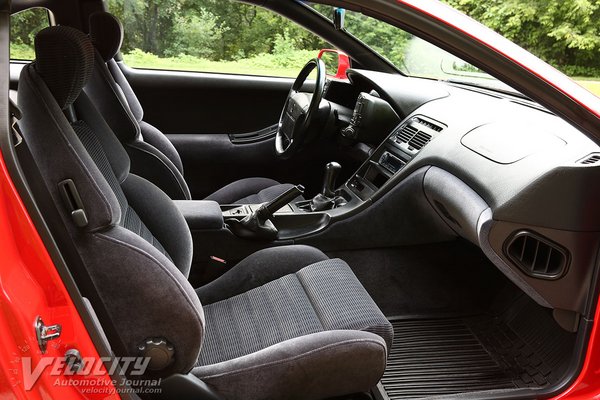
{"type": "Point", "coordinates": [332, 171]}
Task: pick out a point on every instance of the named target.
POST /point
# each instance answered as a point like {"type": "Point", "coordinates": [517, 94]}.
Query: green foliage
{"type": "Point", "coordinates": [23, 28]}
{"type": "Point", "coordinates": [380, 36]}
{"type": "Point", "coordinates": [565, 33]}
{"type": "Point", "coordinates": [196, 35]}
{"type": "Point", "coordinates": [149, 24]}
{"type": "Point", "coordinates": [212, 35]}
{"type": "Point", "coordinates": [21, 51]}
{"type": "Point", "coordinates": [384, 38]}
{"type": "Point", "coordinates": [211, 29]}
{"type": "Point", "coordinates": [331, 62]}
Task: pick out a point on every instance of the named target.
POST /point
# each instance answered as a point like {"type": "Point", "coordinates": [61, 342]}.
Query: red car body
{"type": "Point", "coordinates": [343, 62]}
{"type": "Point", "coordinates": [30, 285]}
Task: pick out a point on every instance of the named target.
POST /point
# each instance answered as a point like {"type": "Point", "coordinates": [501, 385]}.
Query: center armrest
{"type": "Point", "coordinates": [201, 214]}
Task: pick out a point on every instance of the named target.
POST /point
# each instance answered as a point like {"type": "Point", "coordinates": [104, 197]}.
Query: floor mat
{"type": "Point", "coordinates": [433, 357]}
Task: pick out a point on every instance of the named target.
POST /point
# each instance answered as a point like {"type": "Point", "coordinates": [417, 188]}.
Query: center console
{"type": "Point", "coordinates": [295, 217]}
{"type": "Point", "coordinates": [236, 228]}
{"type": "Point", "coordinates": [396, 151]}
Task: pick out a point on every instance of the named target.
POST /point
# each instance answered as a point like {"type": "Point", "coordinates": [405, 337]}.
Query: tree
{"type": "Point", "coordinates": [150, 25]}
{"type": "Point", "coordinates": [196, 35]}
{"type": "Point", "coordinates": [384, 38]}
{"type": "Point", "coordinates": [565, 33]}
{"type": "Point", "coordinates": [26, 24]}
{"type": "Point", "coordinates": [212, 29]}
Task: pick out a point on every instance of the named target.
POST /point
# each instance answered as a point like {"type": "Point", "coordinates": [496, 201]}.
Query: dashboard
{"type": "Point", "coordinates": [499, 171]}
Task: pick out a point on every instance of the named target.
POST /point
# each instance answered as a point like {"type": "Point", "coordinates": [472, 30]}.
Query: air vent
{"type": "Point", "coordinates": [417, 133]}
{"type": "Point", "coordinates": [407, 133]}
{"type": "Point", "coordinates": [591, 159]}
{"type": "Point", "coordinates": [537, 256]}
{"type": "Point", "coordinates": [429, 124]}
{"type": "Point", "coordinates": [419, 140]}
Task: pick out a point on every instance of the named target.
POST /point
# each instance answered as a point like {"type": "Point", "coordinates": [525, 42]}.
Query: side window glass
{"type": "Point", "coordinates": [222, 36]}
{"type": "Point", "coordinates": [23, 28]}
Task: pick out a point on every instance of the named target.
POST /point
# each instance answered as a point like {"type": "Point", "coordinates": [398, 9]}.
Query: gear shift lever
{"type": "Point", "coordinates": [332, 170]}
{"type": "Point", "coordinates": [326, 199]}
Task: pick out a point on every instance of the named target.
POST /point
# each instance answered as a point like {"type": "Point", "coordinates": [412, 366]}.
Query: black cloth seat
{"type": "Point", "coordinates": [306, 316]}
{"type": "Point", "coordinates": [152, 155]}
{"type": "Point", "coordinates": [285, 322]}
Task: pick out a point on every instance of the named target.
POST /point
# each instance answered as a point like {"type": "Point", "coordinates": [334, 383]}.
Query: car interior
{"type": "Point", "coordinates": [375, 237]}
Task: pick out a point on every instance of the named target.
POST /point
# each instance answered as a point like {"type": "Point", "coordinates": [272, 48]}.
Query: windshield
{"type": "Point", "coordinates": [411, 55]}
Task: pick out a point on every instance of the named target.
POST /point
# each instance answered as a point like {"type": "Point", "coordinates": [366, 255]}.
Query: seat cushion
{"type": "Point", "coordinates": [320, 297]}
{"type": "Point", "coordinates": [249, 191]}
{"type": "Point", "coordinates": [295, 316]}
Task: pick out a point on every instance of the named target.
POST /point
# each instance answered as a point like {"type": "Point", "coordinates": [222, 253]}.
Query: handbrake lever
{"type": "Point", "coordinates": [258, 225]}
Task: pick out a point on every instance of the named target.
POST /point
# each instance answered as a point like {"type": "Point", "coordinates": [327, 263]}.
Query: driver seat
{"type": "Point", "coordinates": [152, 155]}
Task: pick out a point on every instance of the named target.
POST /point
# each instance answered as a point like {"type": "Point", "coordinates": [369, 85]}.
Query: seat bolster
{"type": "Point", "coordinates": [144, 294]}
{"type": "Point", "coordinates": [111, 102]}
{"type": "Point", "coordinates": [132, 100]}
{"type": "Point", "coordinates": [315, 366]}
{"type": "Point", "coordinates": [258, 269]}
{"type": "Point", "coordinates": [158, 139]}
{"type": "Point", "coordinates": [60, 154]}
{"type": "Point", "coordinates": [149, 162]}
{"type": "Point", "coordinates": [168, 225]}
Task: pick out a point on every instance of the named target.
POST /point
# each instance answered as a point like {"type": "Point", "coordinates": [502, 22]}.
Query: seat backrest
{"type": "Point", "coordinates": [152, 155]}
{"type": "Point", "coordinates": [137, 258]}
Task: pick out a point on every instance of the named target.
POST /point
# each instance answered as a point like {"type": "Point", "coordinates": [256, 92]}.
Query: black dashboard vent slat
{"type": "Point", "coordinates": [406, 134]}
{"type": "Point", "coordinates": [536, 255]}
{"type": "Point", "coordinates": [591, 159]}
{"type": "Point", "coordinates": [419, 140]}
{"type": "Point", "coordinates": [415, 133]}
{"type": "Point", "coordinates": [429, 125]}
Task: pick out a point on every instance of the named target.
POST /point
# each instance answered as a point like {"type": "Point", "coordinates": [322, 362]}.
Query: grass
{"type": "Point", "coordinates": [286, 65]}
{"type": "Point", "coordinates": [591, 84]}
{"type": "Point", "coordinates": [225, 67]}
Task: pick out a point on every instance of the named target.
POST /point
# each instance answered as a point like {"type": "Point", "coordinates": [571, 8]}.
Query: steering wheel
{"type": "Point", "coordinates": [299, 111]}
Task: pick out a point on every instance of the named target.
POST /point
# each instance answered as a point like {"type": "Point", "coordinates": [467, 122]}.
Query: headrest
{"type": "Point", "coordinates": [106, 32]}
{"type": "Point", "coordinates": [64, 58]}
